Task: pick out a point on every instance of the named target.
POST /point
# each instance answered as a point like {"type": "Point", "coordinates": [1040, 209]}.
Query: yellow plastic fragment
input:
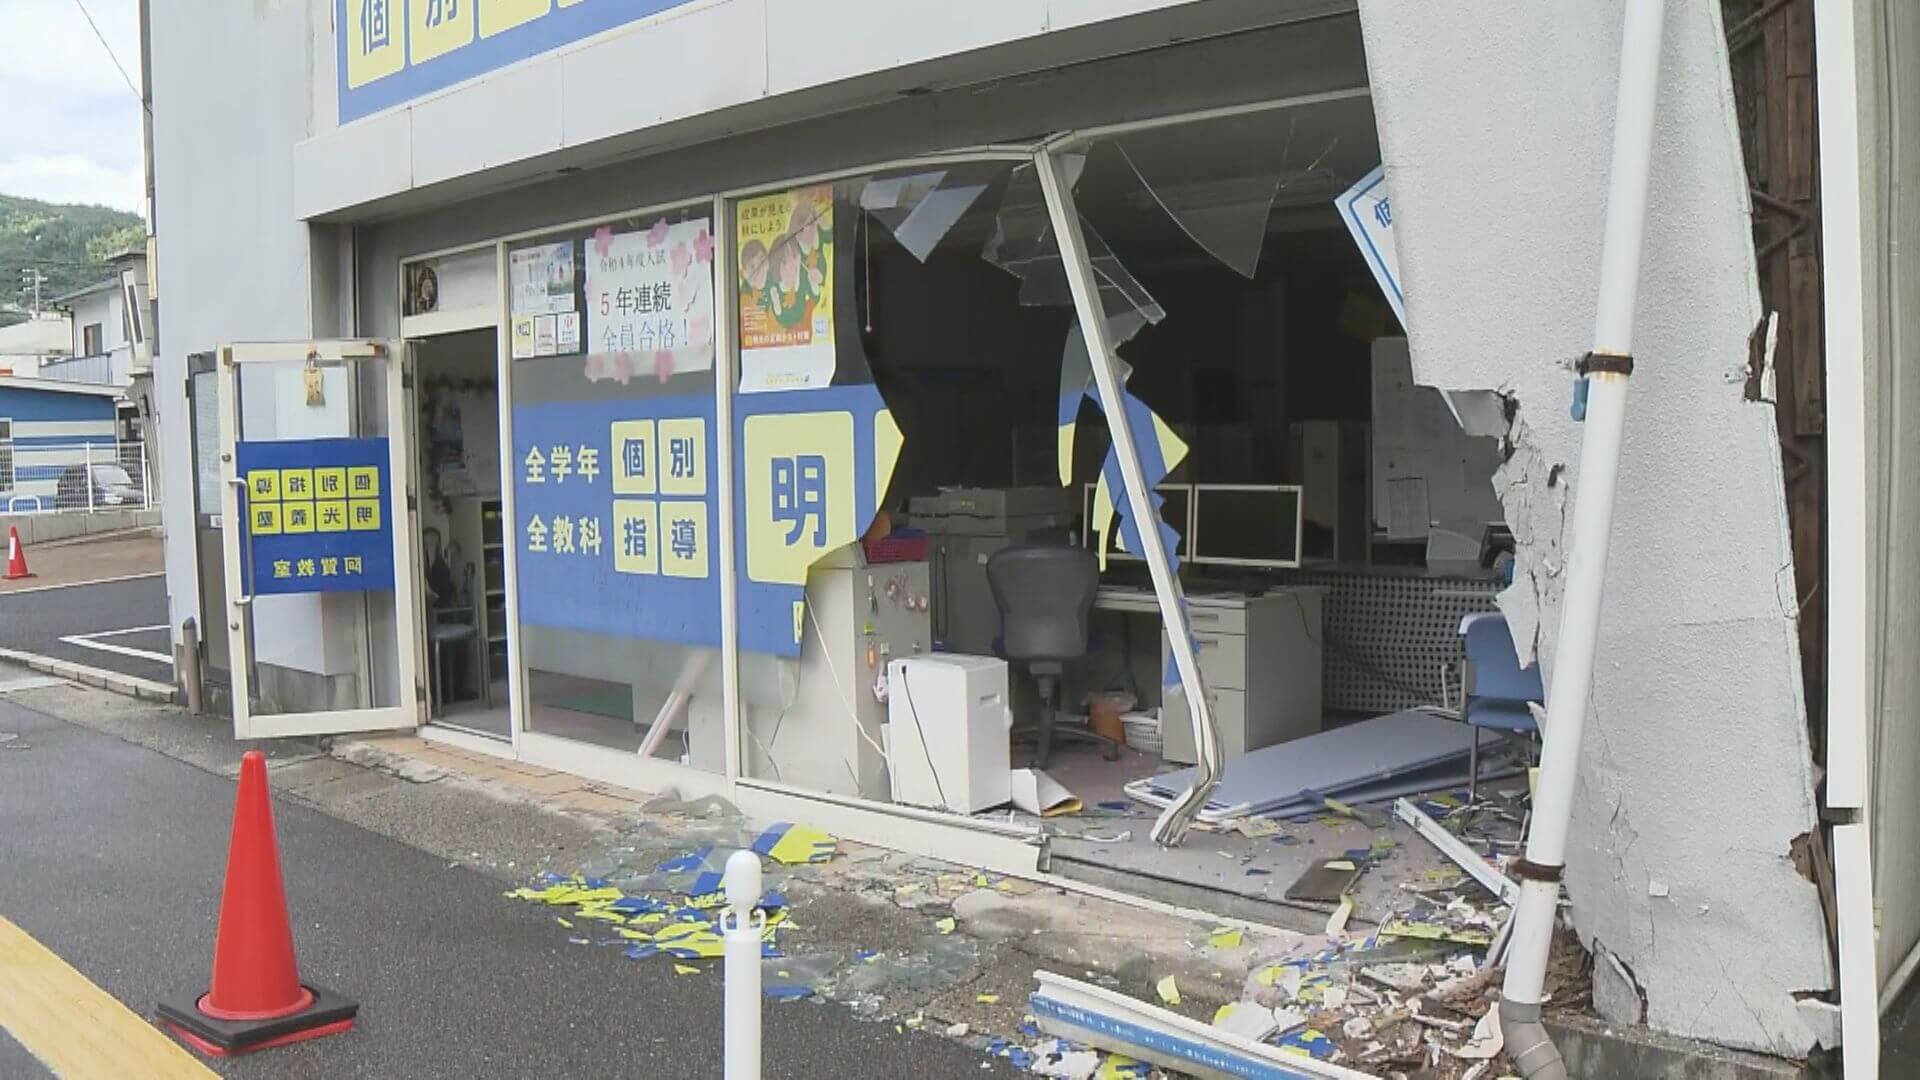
{"type": "Point", "coordinates": [1169, 990]}
{"type": "Point", "coordinates": [946, 925]}
{"type": "Point", "coordinates": [1226, 937]}
{"type": "Point", "coordinates": [685, 969]}
{"type": "Point", "coordinates": [988, 999]}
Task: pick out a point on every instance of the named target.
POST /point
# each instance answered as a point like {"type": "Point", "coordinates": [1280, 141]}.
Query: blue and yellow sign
{"type": "Point", "coordinates": [813, 468]}
{"type": "Point", "coordinates": [315, 512]}
{"type": "Point", "coordinates": [393, 51]}
{"type": "Point", "coordinates": [617, 509]}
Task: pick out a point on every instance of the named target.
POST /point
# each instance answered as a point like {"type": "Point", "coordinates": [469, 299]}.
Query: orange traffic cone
{"type": "Point", "coordinates": [16, 556]}
{"type": "Point", "coordinates": [257, 999]}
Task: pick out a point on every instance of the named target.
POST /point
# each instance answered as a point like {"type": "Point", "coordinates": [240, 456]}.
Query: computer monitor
{"type": "Point", "coordinates": [1246, 525]}
{"type": "Point", "coordinates": [1177, 511]}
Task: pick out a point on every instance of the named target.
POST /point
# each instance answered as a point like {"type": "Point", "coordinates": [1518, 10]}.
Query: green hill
{"type": "Point", "coordinates": [69, 244]}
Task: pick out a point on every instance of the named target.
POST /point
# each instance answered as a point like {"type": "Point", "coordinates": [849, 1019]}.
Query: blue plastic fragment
{"type": "Point", "coordinates": [1259, 873]}
{"type": "Point", "coordinates": [773, 901]}
{"type": "Point", "coordinates": [789, 993]}
{"type": "Point", "coordinates": [1115, 804]}
{"type": "Point", "coordinates": [1317, 1043]}
{"type": "Point", "coordinates": [706, 884]}
{"type": "Point", "coordinates": [692, 860]}
{"type": "Point", "coordinates": [638, 905]}
{"type": "Point", "coordinates": [642, 950]}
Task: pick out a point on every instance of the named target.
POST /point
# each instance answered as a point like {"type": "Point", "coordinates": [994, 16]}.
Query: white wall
{"type": "Point", "coordinates": [234, 260]}
{"type": "Point", "coordinates": [1695, 773]}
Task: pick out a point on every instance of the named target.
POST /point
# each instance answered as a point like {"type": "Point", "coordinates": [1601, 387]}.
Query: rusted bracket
{"type": "Point", "coordinates": [1608, 363]}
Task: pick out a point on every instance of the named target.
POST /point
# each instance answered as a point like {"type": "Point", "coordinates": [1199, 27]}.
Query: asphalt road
{"type": "Point", "coordinates": [16, 1063]}
{"type": "Point", "coordinates": [101, 616]}
{"type": "Point", "coordinates": [114, 856]}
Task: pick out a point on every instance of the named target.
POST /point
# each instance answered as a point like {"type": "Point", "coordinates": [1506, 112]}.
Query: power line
{"type": "Point", "coordinates": [102, 38]}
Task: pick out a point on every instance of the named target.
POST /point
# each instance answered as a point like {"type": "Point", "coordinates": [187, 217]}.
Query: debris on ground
{"type": "Point", "coordinates": [1402, 988]}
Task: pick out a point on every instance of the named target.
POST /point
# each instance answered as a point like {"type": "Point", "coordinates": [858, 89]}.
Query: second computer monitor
{"type": "Point", "coordinates": [1256, 525]}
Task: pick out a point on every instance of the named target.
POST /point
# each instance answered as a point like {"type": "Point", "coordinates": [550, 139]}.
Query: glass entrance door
{"type": "Point", "coordinates": [323, 597]}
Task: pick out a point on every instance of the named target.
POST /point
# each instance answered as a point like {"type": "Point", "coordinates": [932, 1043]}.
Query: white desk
{"type": "Point", "coordinates": [1260, 658]}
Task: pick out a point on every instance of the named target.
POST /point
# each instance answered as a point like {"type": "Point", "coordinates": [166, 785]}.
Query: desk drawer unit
{"type": "Point", "coordinates": [1212, 617]}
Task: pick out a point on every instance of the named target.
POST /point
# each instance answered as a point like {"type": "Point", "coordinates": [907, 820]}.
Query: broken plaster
{"type": "Point", "coordinates": [1696, 733]}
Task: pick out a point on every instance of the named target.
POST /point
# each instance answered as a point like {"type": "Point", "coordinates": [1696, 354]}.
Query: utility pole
{"type": "Point", "coordinates": [31, 280]}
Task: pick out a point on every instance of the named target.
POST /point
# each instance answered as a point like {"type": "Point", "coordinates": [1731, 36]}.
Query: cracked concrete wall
{"type": "Point", "coordinates": [1495, 124]}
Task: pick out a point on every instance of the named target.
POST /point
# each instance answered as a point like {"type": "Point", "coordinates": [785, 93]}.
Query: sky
{"type": "Point", "coordinates": [69, 127]}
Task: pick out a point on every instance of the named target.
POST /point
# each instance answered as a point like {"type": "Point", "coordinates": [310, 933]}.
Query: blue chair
{"type": "Point", "coordinates": [1496, 692]}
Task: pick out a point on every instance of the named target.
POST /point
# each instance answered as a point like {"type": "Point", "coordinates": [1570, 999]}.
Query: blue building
{"type": "Point", "coordinates": [48, 428]}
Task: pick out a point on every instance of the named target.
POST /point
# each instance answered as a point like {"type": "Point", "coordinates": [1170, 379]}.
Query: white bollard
{"type": "Point", "coordinates": [742, 927]}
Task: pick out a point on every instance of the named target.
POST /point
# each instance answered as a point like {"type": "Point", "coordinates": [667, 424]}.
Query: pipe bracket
{"type": "Point", "coordinates": [1533, 871]}
{"type": "Point", "coordinates": [1609, 363]}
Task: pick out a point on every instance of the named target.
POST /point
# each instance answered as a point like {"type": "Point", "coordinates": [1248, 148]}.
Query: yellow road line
{"type": "Point", "coordinates": [75, 1028]}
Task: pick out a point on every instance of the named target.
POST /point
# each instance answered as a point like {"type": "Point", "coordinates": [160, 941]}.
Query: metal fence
{"type": "Point", "coordinates": [48, 477]}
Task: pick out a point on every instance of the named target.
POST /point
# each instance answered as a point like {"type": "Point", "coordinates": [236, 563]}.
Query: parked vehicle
{"type": "Point", "coordinates": [112, 485]}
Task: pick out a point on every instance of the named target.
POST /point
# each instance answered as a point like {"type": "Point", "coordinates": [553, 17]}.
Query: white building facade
{"type": "Point", "coordinates": [435, 181]}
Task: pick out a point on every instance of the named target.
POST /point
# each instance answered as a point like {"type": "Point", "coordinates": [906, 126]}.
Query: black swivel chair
{"type": "Point", "coordinates": [1045, 595]}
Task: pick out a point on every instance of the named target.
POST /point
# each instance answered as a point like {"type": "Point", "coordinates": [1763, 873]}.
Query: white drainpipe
{"type": "Point", "coordinates": [1606, 370]}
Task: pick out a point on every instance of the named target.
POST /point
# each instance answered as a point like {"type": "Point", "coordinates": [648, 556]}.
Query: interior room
{"type": "Point", "coordinates": [1335, 525]}
{"type": "Point", "coordinates": [462, 545]}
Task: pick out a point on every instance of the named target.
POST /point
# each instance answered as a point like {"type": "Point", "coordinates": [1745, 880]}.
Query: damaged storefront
{"type": "Point", "coordinates": [1058, 456]}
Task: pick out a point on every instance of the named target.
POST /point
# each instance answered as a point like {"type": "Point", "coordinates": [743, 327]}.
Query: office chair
{"type": "Point", "coordinates": [1045, 596]}
{"type": "Point", "coordinates": [1495, 689]}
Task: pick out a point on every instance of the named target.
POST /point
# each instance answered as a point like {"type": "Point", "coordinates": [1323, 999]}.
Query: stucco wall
{"type": "Point", "coordinates": [234, 262]}
{"type": "Point", "coordinates": [1695, 771]}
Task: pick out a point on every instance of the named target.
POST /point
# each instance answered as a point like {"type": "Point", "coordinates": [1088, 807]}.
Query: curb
{"type": "Point", "coordinates": [127, 685]}
{"type": "Point", "coordinates": [1594, 1048]}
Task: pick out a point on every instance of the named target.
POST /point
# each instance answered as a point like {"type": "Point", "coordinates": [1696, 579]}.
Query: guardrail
{"type": "Point", "coordinates": [45, 477]}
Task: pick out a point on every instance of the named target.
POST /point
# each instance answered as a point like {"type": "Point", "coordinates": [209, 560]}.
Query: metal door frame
{"type": "Point", "coordinates": [406, 578]}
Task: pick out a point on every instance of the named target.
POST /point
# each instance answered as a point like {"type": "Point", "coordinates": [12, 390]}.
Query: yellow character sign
{"type": "Point", "coordinates": [800, 497]}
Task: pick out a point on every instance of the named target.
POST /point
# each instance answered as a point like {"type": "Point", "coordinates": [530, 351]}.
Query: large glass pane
{"type": "Point", "coordinates": [900, 341]}
{"type": "Point", "coordinates": [615, 506]}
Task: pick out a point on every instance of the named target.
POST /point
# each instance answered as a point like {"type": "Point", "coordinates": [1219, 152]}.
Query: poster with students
{"type": "Point", "coordinates": [785, 256]}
